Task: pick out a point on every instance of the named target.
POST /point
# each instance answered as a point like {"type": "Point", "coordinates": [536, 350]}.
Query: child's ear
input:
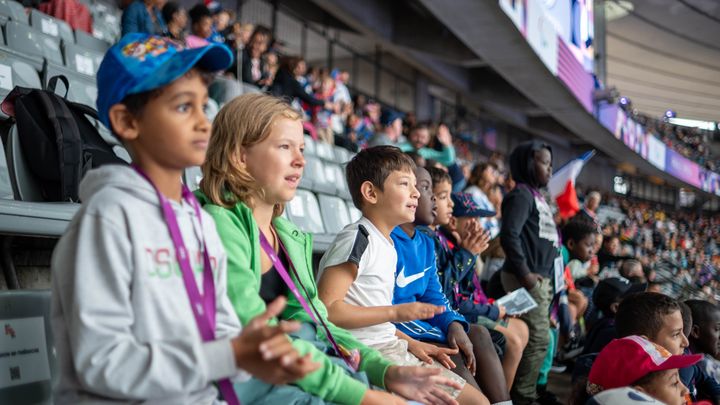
{"type": "Point", "coordinates": [369, 192]}
{"type": "Point", "coordinates": [614, 307]}
{"type": "Point", "coordinates": [695, 331]}
{"type": "Point", "coordinates": [123, 123]}
{"type": "Point", "coordinates": [570, 244]}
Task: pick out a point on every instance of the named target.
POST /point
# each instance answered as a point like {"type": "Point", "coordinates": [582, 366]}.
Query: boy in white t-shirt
{"type": "Point", "coordinates": [357, 272]}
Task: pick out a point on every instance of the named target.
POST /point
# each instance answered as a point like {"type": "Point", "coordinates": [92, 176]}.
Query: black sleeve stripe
{"type": "Point", "coordinates": [359, 246]}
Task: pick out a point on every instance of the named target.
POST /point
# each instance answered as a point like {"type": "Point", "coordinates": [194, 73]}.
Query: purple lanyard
{"type": "Point", "coordinates": [351, 358]}
{"type": "Point", "coordinates": [203, 305]}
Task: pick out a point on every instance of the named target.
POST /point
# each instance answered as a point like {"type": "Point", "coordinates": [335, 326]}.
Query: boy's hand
{"type": "Point", "coordinates": [427, 352]}
{"type": "Point", "coordinates": [474, 238]}
{"type": "Point", "coordinates": [413, 311]}
{"type": "Point", "coordinates": [457, 338]}
{"type": "Point", "coordinates": [502, 312]}
{"type": "Point", "coordinates": [374, 397]}
{"type": "Point", "coordinates": [267, 353]}
{"type": "Point", "coordinates": [443, 135]}
{"type": "Point", "coordinates": [420, 384]}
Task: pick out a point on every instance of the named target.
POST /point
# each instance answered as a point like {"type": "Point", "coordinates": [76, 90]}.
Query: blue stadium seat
{"type": "Point", "coordinates": [81, 60]}
{"type": "Point", "coordinates": [334, 213]}
{"type": "Point", "coordinates": [304, 212]}
{"type": "Point", "coordinates": [12, 10]}
{"type": "Point", "coordinates": [51, 26]}
{"type": "Point", "coordinates": [325, 152]}
{"type": "Point", "coordinates": [309, 146]}
{"type": "Point", "coordinates": [89, 42]}
{"type": "Point", "coordinates": [26, 316]}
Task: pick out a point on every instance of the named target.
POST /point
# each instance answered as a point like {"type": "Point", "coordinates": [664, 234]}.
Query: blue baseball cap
{"type": "Point", "coordinates": [142, 62]}
{"type": "Point", "coordinates": [465, 206]}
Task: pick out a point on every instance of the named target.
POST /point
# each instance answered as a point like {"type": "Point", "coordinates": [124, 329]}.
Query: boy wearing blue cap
{"type": "Point", "coordinates": [139, 305]}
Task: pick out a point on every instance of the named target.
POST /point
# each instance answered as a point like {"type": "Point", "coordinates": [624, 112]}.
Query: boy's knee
{"type": "Point", "coordinates": [479, 335]}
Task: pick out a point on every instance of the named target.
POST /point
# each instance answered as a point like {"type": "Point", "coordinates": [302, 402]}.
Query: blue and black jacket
{"type": "Point", "coordinates": [416, 280]}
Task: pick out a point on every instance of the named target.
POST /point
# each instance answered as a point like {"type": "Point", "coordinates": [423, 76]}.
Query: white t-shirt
{"type": "Point", "coordinates": [363, 244]}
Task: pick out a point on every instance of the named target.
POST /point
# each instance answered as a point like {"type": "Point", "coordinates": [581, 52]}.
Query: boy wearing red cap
{"type": "Point", "coordinates": [636, 362]}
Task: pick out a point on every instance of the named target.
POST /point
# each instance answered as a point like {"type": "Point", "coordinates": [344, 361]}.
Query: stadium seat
{"type": "Point", "coordinates": [27, 324]}
{"type": "Point", "coordinates": [28, 41]}
{"type": "Point", "coordinates": [325, 152]}
{"type": "Point", "coordinates": [12, 10]}
{"type": "Point", "coordinates": [355, 213]}
{"type": "Point", "coordinates": [6, 192]}
{"type": "Point", "coordinates": [342, 155]}
{"type": "Point", "coordinates": [309, 146]}
{"type": "Point", "coordinates": [25, 186]}
{"type": "Point", "coordinates": [51, 26]}
{"type": "Point", "coordinates": [192, 176]}
{"type": "Point", "coordinates": [336, 176]}
{"type": "Point", "coordinates": [303, 211]}
{"type": "Point", "coordinates": [315, 177]}
{"type": "Point", "coordinates": [334, 213]}
{"type": "Point", "coordinates": [90, 43]}
{"type": "Point", "coordinates": [16, 71]}
{"type": "Point", "coordinates": [82, 60]}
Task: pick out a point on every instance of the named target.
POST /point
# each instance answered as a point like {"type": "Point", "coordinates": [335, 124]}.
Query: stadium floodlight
{"type": "Point", "coordinates": [670, 114]}
{"type": "Point", "coordinates": [707, 125]}
{"type": "Point", "coordinates": [624, 101]}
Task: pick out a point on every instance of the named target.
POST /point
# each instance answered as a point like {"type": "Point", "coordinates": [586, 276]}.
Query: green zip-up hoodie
{"type": "Point", "coordinates": [239, 234]}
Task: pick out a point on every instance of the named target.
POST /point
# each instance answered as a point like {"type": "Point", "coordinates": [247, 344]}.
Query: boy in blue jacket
{"type": "Point", "coordinates": [417, 281]}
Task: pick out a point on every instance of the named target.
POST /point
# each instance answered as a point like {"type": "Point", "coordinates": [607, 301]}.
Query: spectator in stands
{"type": "Point", "coordinates": [176, 18]}
{"type": "Point", "coordinates": [253, 168]}
{"type": "Point", "coordinates": [416, 251]}
{"type": "Point", "coordinates": [287, 86]}
{"type": "Point", "coordinates": [655, 316]}
{"type": "Point", "coordinates": [391, 133]}
{"type": "Point", "coordinates": [609, 254]}
{"type": "Point", "coordinates": [253, 67]}
{"type": "Point", "coordinates": [704, 338]}
{"type": "Point", "coordinates": [357, 272]}
{"type": "Point", "coordinates": [122, 318]}
{"type": "Point", "coordinates": [419, 140]}
{"type": "Point", "coordinates": [143, 16]}
{"type": "Point", "coordinates": [531, 244]}
{"type": "Point", "coordinates": [221, 20]}
{"type": "Point", "coordinates": [589, 210]}
{"type": "Point", "coordinates": [578, 237]}
{"type": "Point", "coordinates": [648, 368]}
{"type": "Point", "coordinates": [200, 25]}
{"type": "Point", "coordinates": [483, 178]}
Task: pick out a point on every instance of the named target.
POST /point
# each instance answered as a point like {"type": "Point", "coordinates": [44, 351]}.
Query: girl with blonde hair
{"type": "Point", "coordinates": [253, 167]}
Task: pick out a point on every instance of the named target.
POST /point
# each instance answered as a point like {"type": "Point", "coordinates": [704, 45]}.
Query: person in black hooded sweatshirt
{"type": "Point", "coordinates": [530, 240]}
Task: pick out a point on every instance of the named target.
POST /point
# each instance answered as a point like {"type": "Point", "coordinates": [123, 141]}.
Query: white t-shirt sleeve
{"type": "Point", "coordinates": [349, 247]}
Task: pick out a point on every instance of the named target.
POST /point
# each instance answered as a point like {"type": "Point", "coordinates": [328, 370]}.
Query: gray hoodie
{"type": "Point", "coordinates": [121, 317]}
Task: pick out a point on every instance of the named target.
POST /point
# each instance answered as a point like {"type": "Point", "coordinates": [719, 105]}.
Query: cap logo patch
{"type": "Point", "coordinates": [153, 46]}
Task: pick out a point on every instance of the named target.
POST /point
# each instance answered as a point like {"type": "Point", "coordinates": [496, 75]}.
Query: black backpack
{"type": "Point", "coordinates": [58, 141]}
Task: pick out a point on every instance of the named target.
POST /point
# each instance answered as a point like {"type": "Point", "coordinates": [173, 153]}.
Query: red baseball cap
{"type": "Point", "coordinates": [624, 361]}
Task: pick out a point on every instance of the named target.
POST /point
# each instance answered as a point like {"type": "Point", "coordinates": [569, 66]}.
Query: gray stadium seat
{"type": "Point", "coordinates": [28, 41]}
{"type": "Point", "coordinates": [16, 71]}
{"type": "Point", "coordinates": [334, 213]}
{"type": "Point", "coordinates": [51, 26]}
{"type": "Point", "coordinates": [316, 175]}
{"type": "Point", "coordinates": [81, 60]}
{"type": "Point", "coordinates": [24, 184]}
{"type": "Point", "coordinates": [325, 151]}
{"type": "Point", "coordinates": [89, 42]}
{"type": "Point", "coordinates": [342, 155]}
{"type": "Point", "coordinates": [355, 213]}
{"type": "Point", "coordinates": [192, 176]}
{"type": "Point", "coordinates": [304, 212]}
{"type": "Point", "coordinates": [336, 176]}
{"type": "Point", "coordinates": [6, 192]}
{"type": "Point", "coordinates": [309, 146]}
{"type": "Point", "coordinates": [13, 10]}
{"type": "Point", "coordinates": [26, 316]}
